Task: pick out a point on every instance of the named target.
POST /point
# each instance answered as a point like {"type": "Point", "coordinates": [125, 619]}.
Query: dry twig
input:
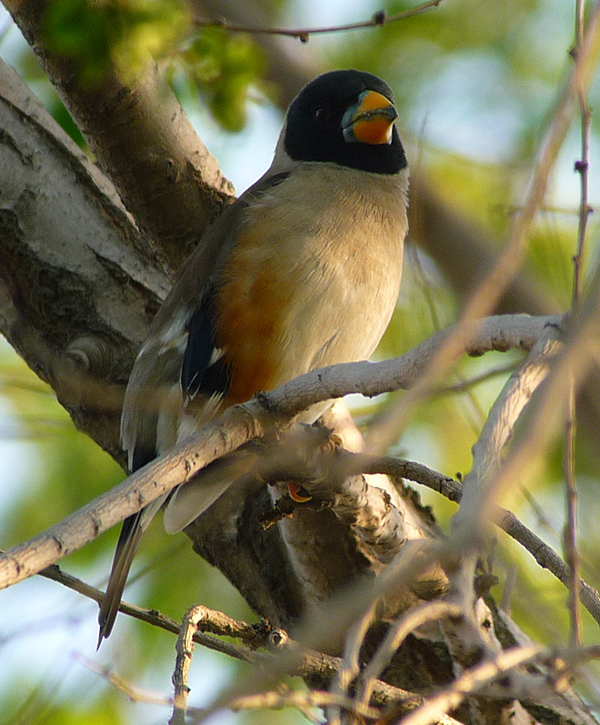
{"type": "Point", "coordinates": [582, 167]}
{"type": "Point", "coordinates": [185, 649]}
{"type": "Point", "coordinates": [471, 681]}
{"type": "Point", "coordinates": [378, 19]}
{"type": "Point", "coordinates": [416, 617]}
{"type": "Point", "coordinates": [351, 664]}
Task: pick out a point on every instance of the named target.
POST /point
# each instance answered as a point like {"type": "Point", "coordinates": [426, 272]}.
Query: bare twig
{"type": "Point", "coordinates": [134, 693]}
{"type": "Point", "coordinates": [501, 421]}
{"type": "Point", "coordinates": [351, 662]}
{"type": "Point", "coordinates": [416, 617]}
{"type": "Point", "coordinates": [472, 681]}
{"type": "Point", "coordinates": [582, 167]}
{"type": "Point", "coordinates": [215, 622]}
{"type": "Point", "coordinates": [378, 19]}
{"type": "Point", "coordinates": [575, 359]}
{"type": "Point", "coordinates": [545, 556]}
{"type": "Point", "coordinates": [467, 383]}
{"type": "Point", "coordinates": [570, 528]}
{"type": "Point", "coordinates": [185, 649]}
{"type": "Point", "coordinates": [303, 701]}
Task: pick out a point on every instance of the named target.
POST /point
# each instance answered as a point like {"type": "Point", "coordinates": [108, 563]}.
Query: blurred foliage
{"type": "Point", "coordinates": [119, 34]}
{"type": "Point", "coordinates": [477, 190]}
{"type": "Point", "coordinates": [550, 256]}
{"type": "Point", "coordinates": [224, 67]}
{"type": "Point", "coordinates": [475, 85]}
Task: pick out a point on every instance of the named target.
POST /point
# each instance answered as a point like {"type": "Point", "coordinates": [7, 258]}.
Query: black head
{"type": "Point", "coordinates": [318, 123]}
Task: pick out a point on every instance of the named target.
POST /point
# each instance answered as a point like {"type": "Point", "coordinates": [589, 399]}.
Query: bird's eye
{"type": "Point", "coordinates": [321, 114]}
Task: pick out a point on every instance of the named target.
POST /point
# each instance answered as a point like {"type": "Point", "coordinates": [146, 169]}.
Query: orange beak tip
{"type": "Point", "coordinates": [370, 120]}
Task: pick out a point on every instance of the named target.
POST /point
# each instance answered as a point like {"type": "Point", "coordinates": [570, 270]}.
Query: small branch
{"type": "Point", "coordinates": [304, 701]}
{"type": "Point", "coordinates": [215, 622]}
{"type": "Point", "coordinates": [472, 681]}
{"type": "Point", "coordinates": [500, 424]}
{"type": "Point", "coordinates": [582, 165]}
{"type": "Point", "coordinates": [545, 556]}
{"type": "Point", "coordinates": [535, 435]}
{"type": "Point", "coordinates": [570, 528]}
{"type": "Point", "coordinates": [379, 18]}
{"type": "Point", "coordinates": [133, 693]}
{"type": "Point", "coordinates": [419, 615]}
{"type": "Point", "coordinates": [351, 664]}
{"type": "Point", "coordinates": [468, 383]}
{"type": "Point", "coordinates": [185, 650]}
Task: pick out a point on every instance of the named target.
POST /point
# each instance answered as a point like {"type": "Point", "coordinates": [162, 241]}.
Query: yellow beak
{"type": "Point", "coordinates": [370, 120]}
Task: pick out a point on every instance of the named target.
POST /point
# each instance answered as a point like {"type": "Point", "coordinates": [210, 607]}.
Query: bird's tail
{"type": "Point", "coordinates": [129, 539]}
{"type": "Point", "coordinates": [194, 497]}
{"type": "Point", "coordinates": [186, 504]}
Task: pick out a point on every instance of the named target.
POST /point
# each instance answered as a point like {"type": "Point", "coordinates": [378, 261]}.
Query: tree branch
{"type": "Point", "coordinates": [143, 140]}
{"type": "Point", "coordinates": [64, 236]}
{"type": "Point", "coordinates": [545, 556]}
{"type": "Point", "coordinates": [241, 424]}
{"type": "Point", "coordinates": [310, 664]}
{"type": "Point", "coordinates": [500, 423]}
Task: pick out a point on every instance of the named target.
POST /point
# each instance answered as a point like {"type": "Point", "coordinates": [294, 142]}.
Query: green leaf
{"type": "Point", "coordinates": [225, 66]}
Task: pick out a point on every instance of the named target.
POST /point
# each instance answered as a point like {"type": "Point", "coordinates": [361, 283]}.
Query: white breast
{"type": "Point", "coordinates": [343, 259]}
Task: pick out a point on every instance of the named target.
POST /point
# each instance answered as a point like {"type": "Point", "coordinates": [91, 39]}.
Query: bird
{"type": "Point", "coordinates": [302, 271]}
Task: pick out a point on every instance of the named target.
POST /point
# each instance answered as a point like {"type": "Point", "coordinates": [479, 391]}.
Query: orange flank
{"type": "Point", "coordinates": [250, 308]}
